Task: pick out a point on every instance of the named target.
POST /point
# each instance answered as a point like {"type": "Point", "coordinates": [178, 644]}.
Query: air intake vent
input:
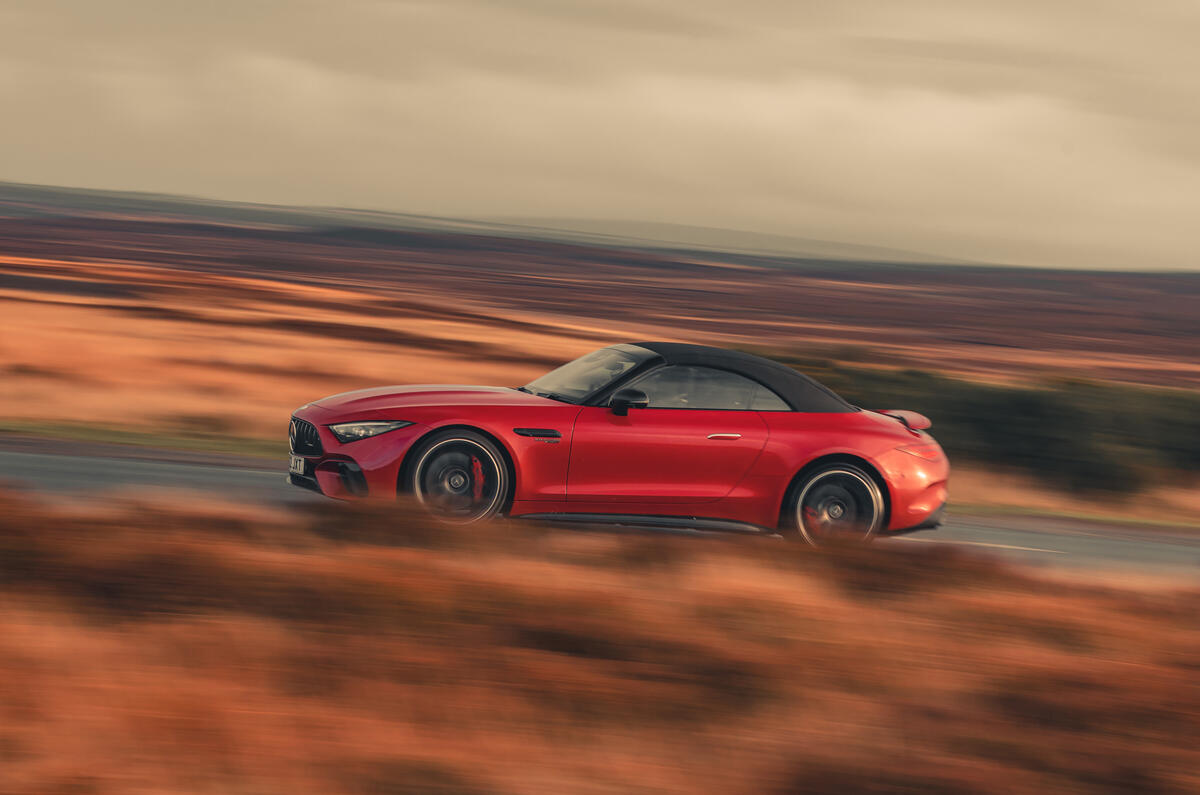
{"type": "Point", "coordinates": [303, 438]}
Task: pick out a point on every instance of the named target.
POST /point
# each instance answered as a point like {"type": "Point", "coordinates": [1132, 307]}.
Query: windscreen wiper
{"type": "Point", "coordinates": [555, 396]}
{"type": "Point", "coordinates": [551, 395]}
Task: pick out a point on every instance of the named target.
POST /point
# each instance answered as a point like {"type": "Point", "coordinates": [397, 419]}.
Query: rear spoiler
{"type": "Point", "coordinates": [909, 419]}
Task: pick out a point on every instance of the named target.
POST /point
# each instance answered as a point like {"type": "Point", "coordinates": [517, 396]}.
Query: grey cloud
{"type": "Point", "coordinates": [1061, 133]}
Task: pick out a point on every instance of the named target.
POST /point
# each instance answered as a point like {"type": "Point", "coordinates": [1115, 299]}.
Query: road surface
{"type": "Point", "coordinates": [61, 467]}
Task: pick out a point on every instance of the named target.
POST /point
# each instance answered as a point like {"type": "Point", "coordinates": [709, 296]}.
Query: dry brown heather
{"type": "Point", "coordinates": [174, 351]}
{"type": "Point", "coordinates": [147, 649]}
{"type": "Point", "coordinates": [184, 326]}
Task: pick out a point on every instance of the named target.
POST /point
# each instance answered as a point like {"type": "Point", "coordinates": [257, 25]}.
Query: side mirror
{"type": "Point", "coordinates": [627, 399]}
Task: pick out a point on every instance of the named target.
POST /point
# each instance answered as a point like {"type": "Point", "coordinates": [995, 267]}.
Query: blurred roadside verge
{"type": "Point", "coordinates": [345, 649]}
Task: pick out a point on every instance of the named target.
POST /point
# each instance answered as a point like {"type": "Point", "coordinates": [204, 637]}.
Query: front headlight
{"type": "Point", "coordinates": [353, 431]}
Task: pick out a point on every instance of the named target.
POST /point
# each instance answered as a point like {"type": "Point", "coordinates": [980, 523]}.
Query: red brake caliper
{"type": "Point", "coordinates": [477, 476]}
{"type": "Point", "coordinates": [810, 515]}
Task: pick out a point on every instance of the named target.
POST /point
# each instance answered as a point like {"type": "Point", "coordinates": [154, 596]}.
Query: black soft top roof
{"type": "Point", "coordinates": [798, 390]}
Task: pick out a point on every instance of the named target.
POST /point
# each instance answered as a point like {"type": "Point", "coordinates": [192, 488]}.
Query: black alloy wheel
{"type": "Point", "coordinates": [839, 503]}
{"type": "Point", "coordinates": [460, 477]}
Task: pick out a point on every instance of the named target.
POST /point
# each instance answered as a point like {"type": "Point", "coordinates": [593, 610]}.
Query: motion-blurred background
{"type": "Point", "coordinates": [980, 212]}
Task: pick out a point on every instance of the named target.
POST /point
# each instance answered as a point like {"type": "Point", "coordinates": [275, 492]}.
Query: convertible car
{"type": "Point", "coordinates": [649, 434]}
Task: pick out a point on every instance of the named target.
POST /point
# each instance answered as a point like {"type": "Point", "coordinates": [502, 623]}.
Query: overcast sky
{"type": "Point", "coordinates": [1055, 132]}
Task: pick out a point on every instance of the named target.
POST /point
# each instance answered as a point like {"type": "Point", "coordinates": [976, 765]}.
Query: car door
{"type": "Point", "coordinates": [696, 439]}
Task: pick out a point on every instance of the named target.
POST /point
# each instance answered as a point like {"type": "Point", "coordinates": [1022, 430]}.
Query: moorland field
{"type": "Point", "coordinates": [207, 320]}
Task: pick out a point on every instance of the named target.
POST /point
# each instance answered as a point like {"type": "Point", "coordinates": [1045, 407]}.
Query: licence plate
{"type": "Point", "coordinates": [296, 465]}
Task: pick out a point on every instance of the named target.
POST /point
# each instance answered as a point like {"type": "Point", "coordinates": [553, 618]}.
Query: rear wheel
{"type": "Point", "coordinates": [460, 477]}
{"type": "Point", "coordinates": [838, 503]}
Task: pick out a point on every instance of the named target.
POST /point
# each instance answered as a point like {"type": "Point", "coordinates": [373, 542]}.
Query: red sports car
{"type": "Point", "coordinates": [653, 433]}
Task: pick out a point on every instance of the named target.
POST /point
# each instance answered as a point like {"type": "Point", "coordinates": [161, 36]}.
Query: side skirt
{"type": "Point", "coordinates": [679, 523]}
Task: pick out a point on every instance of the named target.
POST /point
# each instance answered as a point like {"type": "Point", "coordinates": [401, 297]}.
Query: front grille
{"type": "Point", "coordinates": [303, 438]}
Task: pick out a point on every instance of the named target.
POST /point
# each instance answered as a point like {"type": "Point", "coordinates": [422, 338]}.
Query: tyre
{"type": "Point", "coordinates": [460, 477]}
{"type": "Point", "coordinates": [837, 503]}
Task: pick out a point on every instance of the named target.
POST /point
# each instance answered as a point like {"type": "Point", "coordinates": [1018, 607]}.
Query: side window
{"type": "Point", "coordinates": [680, 387]}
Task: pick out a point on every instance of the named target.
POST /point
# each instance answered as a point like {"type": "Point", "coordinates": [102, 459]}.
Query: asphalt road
{"type": "Point", "coordinates": [70, 468]}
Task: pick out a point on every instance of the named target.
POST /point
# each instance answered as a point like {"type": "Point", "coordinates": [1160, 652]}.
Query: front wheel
{"type": "Point", "coordinates": [460, 477]}
{"type": "Point", "coordinates": [837, 503]}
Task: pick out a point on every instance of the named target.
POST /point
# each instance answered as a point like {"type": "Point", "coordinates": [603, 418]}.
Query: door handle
{"type": "Point", "coordinates": [724, 436]}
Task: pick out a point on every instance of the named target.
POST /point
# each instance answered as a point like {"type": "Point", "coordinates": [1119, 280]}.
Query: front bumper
{"type": "Point", "coordinates": [340, 479]}
{"type": "Point", "coordinates": [354, 470]}
{"type": "Point", "coordinates": [304, 482]}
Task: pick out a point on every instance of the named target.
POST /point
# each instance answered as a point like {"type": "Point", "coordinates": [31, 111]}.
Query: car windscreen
{"type": "Point", "coordinates": [577, 379]}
